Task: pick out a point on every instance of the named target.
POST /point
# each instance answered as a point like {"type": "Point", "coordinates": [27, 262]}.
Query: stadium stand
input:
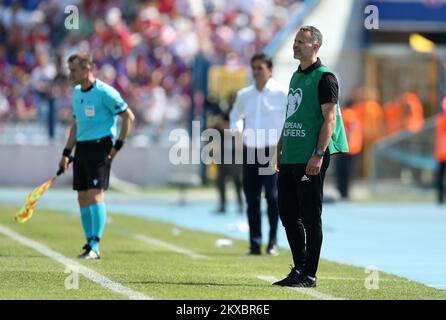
{"type": "Point", "coordinates": [143, 48]}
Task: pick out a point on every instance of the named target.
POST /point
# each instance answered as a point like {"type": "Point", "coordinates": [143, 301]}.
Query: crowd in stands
{"type": "Point", "coordinates": [145, 49]}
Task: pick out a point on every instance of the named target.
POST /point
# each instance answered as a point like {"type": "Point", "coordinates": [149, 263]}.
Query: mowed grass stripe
{"type": "Point", "coordinates": [86, 272]}
{"type": "Point", "coordinates": [168, 246]}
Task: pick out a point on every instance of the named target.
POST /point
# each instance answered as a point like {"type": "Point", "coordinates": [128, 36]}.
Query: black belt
{"type": "Point", "coordinates": [86, 142]}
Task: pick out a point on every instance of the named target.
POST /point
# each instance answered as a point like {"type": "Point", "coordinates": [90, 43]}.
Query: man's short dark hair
{"type": "Point", "coordinates": [316, 35]}
{"type": "Point", "coordinates": [84, 58]}
{"type": "Point", "coordinates": [264, 58]}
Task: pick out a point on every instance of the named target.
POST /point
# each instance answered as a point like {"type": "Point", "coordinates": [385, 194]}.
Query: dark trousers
{"type": "Point", "coordinates": [234, 172]}
{"type": "Point", "coordinates": [300, 207]}
{"type": "Point", "coordinates": [440, 182]}
{"type": "Point", "coordinates": [344, 167]}
{"type": "Point", "coordinates": [253, 182]}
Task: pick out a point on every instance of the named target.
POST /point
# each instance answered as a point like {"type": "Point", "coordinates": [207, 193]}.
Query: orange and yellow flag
{"type": "Point", "coordinates": [27, 210]}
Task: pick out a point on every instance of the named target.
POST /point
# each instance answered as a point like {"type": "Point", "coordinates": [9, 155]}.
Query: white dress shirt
{"type": "Point", "coordinates": [263, 110]}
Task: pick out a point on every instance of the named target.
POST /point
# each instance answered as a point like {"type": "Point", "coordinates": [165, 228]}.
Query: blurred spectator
{"type": "Point", "coordinates": [23, 104]}
{"type": "Point", "coordinates": [156, 104]}
{"type": "Point", "coordinates": [440, 151]}
{"type": "Point", "coordinates": [415, 115]}
{"type": "Point", "coordinates": [219, 120]}
{"type": "Point", "coordinates": [14, 15]}
{"type": "Point", "coordinates": [393, 116]}
{"type": "Point", "coordinates": [345, 162]}
{"type": "Point", "coordinates": [42, 77]}
{"type": "Point", "coordinates": [370, 114]}
{"type": "Point", "coordinates": [62, 100]}
{"type": "Point", "coordinates": [4, 109]}
{"type": "Point", "coordinates": [404, 112]}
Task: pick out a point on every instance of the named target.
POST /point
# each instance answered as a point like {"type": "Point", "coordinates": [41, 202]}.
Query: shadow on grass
{"type": "Point", "coordinates": [208, 284]}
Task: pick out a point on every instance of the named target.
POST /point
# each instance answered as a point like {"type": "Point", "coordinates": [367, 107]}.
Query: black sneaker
{"type": "Point", "coordinates": [253, 253]}
{"type": "Point", "coordinates": [291, 279]}
{"type": "Point", "coordinates": [306, 282]}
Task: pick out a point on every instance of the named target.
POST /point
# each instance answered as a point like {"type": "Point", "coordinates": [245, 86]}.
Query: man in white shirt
{"type": "Point", "coordinates": [262, 106]}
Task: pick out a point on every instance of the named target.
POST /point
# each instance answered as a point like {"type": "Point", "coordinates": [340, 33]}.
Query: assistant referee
{"type": "Point", "coordinates": [96, 107]}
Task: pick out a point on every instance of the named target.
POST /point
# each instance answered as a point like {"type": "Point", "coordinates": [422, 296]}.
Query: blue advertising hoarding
{"type": "Point", "coordinates": [411, 15]}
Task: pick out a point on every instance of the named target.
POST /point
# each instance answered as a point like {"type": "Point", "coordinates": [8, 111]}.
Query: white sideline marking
{"type": "Point", "coordinates": [168, 246]}
{"type": "Point", "coordinates": [86, 272]}
{"type": "Point", "coordinates": [307, 291]}
{"type": "Point", "coordinates": [361, 279]}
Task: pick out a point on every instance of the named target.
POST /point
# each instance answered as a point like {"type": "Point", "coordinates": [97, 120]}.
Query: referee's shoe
{"type": "Point", "coordinates": [89, 254]}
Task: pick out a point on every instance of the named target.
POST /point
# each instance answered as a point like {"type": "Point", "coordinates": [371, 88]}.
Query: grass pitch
{"type": "Point", "coordinates": [160, 270]}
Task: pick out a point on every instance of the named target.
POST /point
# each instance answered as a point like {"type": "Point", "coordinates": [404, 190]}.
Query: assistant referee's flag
{"type": "Point", "coordinates": [28, 208]}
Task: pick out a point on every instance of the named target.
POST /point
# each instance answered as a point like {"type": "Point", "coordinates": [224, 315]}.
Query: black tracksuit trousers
{"type": "Point", "coordinates": [300, 209]}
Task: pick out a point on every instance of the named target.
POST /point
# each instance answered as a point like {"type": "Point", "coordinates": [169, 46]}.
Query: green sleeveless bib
{"type": "Point", "coordinates": [304, 120]}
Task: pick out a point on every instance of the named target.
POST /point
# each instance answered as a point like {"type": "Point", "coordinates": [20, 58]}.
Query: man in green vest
{"type": "Point", "coordinates": [313, 130]}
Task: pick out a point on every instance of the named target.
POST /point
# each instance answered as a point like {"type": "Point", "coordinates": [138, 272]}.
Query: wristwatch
{"type": "Point", "coordinates": [319, 152]}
